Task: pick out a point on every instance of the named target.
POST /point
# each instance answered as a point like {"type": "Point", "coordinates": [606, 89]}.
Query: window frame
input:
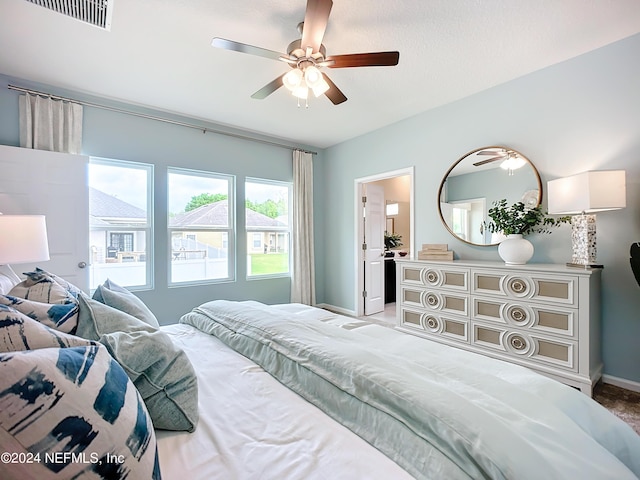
{"type": "Point", "coordinates": [277, 230]}
{"type": "Point", "coordinates": [148, 229]}
{"type": "Point", "coordinates": [230, 229]}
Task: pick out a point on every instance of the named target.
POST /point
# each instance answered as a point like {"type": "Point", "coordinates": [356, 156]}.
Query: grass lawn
{"type": "Point", "coordinates": [269, 263]}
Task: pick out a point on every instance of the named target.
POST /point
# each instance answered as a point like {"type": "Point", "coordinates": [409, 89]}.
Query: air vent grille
{"type": "Point", "coordinates": [95, 12]}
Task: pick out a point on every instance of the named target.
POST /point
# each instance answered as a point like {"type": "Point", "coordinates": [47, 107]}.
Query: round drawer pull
{"type": "Point", "coordinates": [518, 343]}
{"type": "Point", "coordinates": [518, 286]}
{"type": "Point", "coordinates": [432, 300]}
{"type": "Point", "coordinates": [432, 323]}
{"type": "Point", "coordinates": [432, 277]}
{"type": "Point", "coordinates": [518, 314]}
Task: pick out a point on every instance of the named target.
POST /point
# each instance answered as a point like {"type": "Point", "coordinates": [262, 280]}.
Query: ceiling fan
{"type": "Point", "coordinates": [510, 159]}
{"type": "Point", "coordinates": [307, 55]}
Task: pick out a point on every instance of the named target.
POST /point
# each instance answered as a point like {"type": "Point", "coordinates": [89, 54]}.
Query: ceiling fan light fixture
{"type": "Point", "coordinates": [512, 163]}
{"type": "Point", "coordinates": [301, 91]}
{"type": "Point", "coordinates": [320, 87]}
{"type": "Point", "coordinates": [293, 79]}
{"type": "Point", "coordinates": [312, 76]}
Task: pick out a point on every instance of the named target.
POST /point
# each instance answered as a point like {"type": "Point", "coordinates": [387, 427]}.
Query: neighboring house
{"type": "Point", "coordinates": [264, 234]}
{"type": "Point", "coordinates": [109, 220]}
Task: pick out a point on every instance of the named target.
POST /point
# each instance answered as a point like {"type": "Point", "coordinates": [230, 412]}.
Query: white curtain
{"type": "Point", "coordinates": [303, 285]}
{"type": "Point", "coordinates": [47, 124]}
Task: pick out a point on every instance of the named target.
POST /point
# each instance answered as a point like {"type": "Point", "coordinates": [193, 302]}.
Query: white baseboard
{"type": "Point", "coordinates": [622, 383]}
{"type": "Point", "coordinates": [340, 310]}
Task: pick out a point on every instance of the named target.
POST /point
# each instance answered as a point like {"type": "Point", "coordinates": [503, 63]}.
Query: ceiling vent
{"type": "Point", "coordinates": [95, 12]}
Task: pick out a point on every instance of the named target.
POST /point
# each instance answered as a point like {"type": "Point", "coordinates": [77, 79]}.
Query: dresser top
{"type": "Point", "coordinates": [529, 267]}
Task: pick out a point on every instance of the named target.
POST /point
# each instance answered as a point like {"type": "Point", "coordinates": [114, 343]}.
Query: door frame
{"type": "Point", "coordinates": [359, 228]}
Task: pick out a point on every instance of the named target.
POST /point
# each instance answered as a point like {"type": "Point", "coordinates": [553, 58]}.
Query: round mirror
{"type": "Point", "coordinates": [480, 178]}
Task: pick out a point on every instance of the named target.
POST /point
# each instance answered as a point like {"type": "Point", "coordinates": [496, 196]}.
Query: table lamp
{"type": "Point", "coordinates": [23, 239]}
{"type": "Point", "coordinates": [582, 195]}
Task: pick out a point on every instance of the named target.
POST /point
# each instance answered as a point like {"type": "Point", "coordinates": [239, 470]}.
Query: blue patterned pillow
{"type": "Point", "coordinates": [19, 332]}
{"type": "Point", "coordinates": [46, 287]}
{"type": "Point", "coordinates": [61, 316]}
{"type": "Point", "coordinates": [75, 411]}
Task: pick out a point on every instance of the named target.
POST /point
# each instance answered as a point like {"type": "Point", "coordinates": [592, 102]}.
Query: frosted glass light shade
{"type": "Point", "coordinates": [588, 192]}
{"type": "Point", "coordinates": [23, 239]}
{"type": "Point", "coordinates": [292, 79]}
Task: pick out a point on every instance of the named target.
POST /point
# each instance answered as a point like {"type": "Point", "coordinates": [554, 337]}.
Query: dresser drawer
{"type": "Point", "coordinates": [440, 300]}
{"type": "Point", "coordinates": [541, 318]}
{"type": "Point", "coordinates": [526, 346]}
{"type": "Point", "coordinates": [558, 289]}
{"type": "Point", "coordinates": [454, 279]}
{"type": "Point", "coordinates": [435, 324]}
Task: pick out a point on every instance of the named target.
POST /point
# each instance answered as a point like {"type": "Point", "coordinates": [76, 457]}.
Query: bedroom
{"type": "Point", "coordinates": [576, 115]}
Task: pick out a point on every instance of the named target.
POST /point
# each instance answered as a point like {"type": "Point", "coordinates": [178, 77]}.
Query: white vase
{"type": "Point", "coordinates": [515, 250]}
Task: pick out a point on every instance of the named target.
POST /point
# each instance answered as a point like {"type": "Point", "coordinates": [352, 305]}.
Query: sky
{"type": "Point", "coordinates": [130, 185]}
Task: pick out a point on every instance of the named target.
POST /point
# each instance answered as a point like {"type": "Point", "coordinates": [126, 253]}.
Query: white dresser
{"type": "Point", "coordinates": [543, 316]}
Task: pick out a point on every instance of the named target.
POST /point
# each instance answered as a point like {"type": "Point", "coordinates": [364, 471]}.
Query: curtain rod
{"type": "Point", "coordinates": [159, 119]}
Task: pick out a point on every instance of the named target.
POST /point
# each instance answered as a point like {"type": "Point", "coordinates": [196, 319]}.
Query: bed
{"type": "Point", "coordinates": [244, 390]}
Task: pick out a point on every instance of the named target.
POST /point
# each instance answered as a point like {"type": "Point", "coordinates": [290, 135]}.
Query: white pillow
{"type": "Point", "coordinates": [8, 279]}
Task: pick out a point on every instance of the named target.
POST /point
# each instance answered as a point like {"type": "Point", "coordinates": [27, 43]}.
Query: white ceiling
{"type": "Point", "coordinates": [158, 54]}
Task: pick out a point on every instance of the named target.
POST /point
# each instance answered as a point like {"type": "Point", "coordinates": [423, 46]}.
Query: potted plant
{"type": "Point", "coordinates": [391, 240]}
{"type": "Point", "coordinates": [515, 222]}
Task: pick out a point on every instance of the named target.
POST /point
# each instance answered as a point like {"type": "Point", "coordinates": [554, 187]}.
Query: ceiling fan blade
{"type": "Point", "coordinates": [334, 94]}
{"type": "Point", "coordinates": [374, 59]}
{"type": "Point", "coordinates": [488, 160]}
{"type": "Point", "coordinates": [315, 23]}
{"type": "Point", "coordinates": [491, 152]}
{"type": "Point", "coordinates": [268, 89]}
{"type": "Point", "coordinates": [244, 48]}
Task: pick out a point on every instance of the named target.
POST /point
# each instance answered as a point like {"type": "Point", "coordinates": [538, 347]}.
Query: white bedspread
{"type": "Point", "coordinates": [252, 427]}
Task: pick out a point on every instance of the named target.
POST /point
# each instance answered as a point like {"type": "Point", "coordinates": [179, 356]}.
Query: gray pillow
{"type": "Point", "coordinates": [112, 294]}
{"type": "Point", "coordinates": [161, 372]}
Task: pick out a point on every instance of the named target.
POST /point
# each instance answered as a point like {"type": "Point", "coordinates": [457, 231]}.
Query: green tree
{"type": "Point", "coordinates": [204, 199]}
{"type": "Point", "coordinates": [269, 208]}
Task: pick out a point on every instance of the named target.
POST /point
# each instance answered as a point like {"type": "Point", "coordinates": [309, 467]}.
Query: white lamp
{"type": "Point", "coordinates": [23, 239]}
{"type": "Point", "coordinates": [582, 195]}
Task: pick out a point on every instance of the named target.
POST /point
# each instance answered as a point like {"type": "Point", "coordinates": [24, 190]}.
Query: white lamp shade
{"type": "Point", "coordinates": [23, 239]}
{"type": "Point", "coordinates": [588, 192]}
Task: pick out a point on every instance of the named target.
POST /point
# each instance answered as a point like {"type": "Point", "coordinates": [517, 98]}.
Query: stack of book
{"type": "Point", "coordinates": [435, 251]}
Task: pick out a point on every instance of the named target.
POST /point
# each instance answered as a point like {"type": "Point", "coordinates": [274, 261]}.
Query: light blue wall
{"type": "Point", "coordinates": [583, 114]}
{"type": "Point", "coordinates": [115, 135]}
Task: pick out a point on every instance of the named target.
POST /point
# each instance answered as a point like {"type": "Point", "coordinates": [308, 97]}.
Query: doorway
{"type": "Point", "coordinates": [398, 188]}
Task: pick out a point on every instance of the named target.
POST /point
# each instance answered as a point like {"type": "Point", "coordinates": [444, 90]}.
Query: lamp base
{"type": "Point", "coordinates": [583, 240]}
{"type": "Point", "coordinates": [584, 266]}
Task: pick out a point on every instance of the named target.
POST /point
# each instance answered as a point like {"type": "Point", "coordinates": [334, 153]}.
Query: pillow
{"type": "Point", "coordinates": [42, 286]}
{"type": "Point", "coordinates": [19, 332]}
{"type": "Point", "coordinates": [115, 296]}
{"type": "Point", "coordinates": [161, 372]}
{"type": "Point", "coordinates": [61, 316]}
{"type": "Point", "coordinates": [8, 279]}
{"type": "Point", "coordinates": [76, 412]}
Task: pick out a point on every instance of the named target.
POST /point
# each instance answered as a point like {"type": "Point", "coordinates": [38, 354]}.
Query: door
{"type": "Point", "coordinates": [374, 225]}
{"type": "Point", "coordinates": [55, 185]}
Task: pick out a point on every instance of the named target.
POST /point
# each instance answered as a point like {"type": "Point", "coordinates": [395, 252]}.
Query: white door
{"type": "Point", "coordinates": [374, 225]}
{"type": "Point", "coordinates": [55, 185]}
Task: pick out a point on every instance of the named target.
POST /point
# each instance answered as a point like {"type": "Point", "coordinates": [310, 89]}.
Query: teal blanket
{"type": "Point", "coordinates": [437, 411]}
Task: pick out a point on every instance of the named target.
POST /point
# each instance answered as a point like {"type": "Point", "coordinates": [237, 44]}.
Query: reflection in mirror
{"type": "Point", "coordinates": [480, 178]}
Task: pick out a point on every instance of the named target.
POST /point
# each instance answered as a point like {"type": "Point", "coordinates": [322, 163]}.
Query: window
{"type": "Point", "coordinates": [268, 221]}
{"type": "Point", "coordinates": [201, 213]}
{"type": "Point", "coordinates": [120, 199]}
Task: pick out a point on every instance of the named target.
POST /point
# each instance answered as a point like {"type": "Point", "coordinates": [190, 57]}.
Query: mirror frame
{"type": "Point", "coordinates": [446, 175]}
